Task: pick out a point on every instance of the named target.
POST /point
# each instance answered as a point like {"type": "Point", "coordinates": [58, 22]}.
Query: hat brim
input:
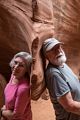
{"type": "Point", "coordinates": [52, 45]}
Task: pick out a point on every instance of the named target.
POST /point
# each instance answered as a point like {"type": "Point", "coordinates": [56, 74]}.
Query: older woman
{"type": "Point", "coordinates": [17, 92]}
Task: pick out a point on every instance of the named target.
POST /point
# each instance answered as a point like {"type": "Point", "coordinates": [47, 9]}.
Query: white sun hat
{"type": "Point", "coordinates": [48, 44]}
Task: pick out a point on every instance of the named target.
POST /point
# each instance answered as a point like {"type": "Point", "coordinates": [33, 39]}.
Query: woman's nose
{"type": "Point", "coordinates": [16, 65]}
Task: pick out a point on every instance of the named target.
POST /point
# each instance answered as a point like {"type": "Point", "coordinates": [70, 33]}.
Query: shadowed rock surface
{"type": "Point", "coordinates": [15, 33]}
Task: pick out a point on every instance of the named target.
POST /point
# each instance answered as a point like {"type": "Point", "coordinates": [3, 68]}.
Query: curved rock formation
{"type": "Point", "coordinates": [15, 31]}
{"type": "Point", "coordinates": [2, 86]}
{"type": "Point", "coordinates": [22, 22]}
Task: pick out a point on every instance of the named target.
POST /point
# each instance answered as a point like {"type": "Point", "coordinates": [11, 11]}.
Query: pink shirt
{"type": "Point", "coordinates": [17, 99]}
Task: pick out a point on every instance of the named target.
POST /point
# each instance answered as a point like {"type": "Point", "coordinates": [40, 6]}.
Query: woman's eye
{"type": "Point", "coordinates": [18, 64]}
{"type": "Point", "coordinates": [15, 62]}
{"type": "Point", "coordinates": [21, 65]}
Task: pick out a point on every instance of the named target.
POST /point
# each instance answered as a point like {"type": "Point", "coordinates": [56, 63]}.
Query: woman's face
{"type": "Point", "coordinates": [19, 68]}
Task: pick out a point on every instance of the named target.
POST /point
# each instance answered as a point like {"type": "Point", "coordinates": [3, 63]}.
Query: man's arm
{"type": "Point", "coordinates": [69, 104]}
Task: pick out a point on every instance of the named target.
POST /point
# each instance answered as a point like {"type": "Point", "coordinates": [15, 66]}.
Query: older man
{"type": "Point", "coordinates": [62, 83]}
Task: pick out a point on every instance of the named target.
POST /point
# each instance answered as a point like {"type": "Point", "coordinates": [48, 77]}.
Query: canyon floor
{"type": "Point", "coordinates": [42, 110]}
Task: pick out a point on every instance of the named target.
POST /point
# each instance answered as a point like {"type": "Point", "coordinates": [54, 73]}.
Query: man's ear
{"type": "Point", "coordinates": [47, 55]}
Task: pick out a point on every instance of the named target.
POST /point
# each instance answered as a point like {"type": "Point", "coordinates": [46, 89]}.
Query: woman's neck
{"type": "Point", "coordinates": [16, 80]}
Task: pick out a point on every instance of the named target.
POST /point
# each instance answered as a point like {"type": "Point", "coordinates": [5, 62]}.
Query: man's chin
{"type": "Point", "coordinates": [60, 61]}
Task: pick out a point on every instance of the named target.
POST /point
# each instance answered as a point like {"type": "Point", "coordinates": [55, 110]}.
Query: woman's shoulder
{"type": "Point", "coordinates": [23, 88]}
{"type": "Point", "coordinates": [24, 84]}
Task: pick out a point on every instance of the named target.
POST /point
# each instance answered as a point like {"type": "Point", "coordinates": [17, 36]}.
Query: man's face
{"type": "Point", "coordinates": [56, 55]}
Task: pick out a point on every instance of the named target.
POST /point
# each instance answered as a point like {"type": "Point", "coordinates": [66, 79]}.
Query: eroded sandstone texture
{"type": "Point", "coordinates": [25, 24]}
{"type": "Point", "coordinates": [15, 31]}
{"type": "Point", "coordinates": [67, 29]}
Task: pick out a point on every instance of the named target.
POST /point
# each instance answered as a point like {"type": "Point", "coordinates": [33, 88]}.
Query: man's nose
{"type": "Point", "coordinates": [59, 49]}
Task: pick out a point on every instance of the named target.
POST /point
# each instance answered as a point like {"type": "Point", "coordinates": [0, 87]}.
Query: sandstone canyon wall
{"type": "Point", "coordinates": [25, 24]}
{"type": "Point", "coordinates": [67, 29]}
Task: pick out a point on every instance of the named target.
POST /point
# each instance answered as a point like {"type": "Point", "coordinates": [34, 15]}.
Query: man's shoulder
{"type": "Point", "coordinates": [51, 70]}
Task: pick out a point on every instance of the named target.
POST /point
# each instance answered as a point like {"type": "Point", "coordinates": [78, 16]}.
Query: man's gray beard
{"type": "Point", "coordinates": [60, 61]}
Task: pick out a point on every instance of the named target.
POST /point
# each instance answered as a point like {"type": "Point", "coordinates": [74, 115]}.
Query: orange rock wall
{"type": "Point", "coordinates": [67, 29]}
